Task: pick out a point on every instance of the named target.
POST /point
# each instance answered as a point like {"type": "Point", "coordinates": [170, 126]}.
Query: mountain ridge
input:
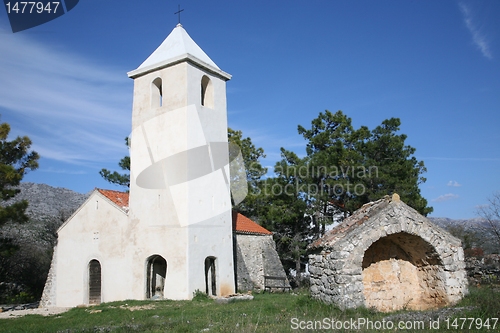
{"type": "Point", "coordinates": [46, 201]}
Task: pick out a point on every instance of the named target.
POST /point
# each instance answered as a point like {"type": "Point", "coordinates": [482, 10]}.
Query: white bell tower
{"type": "Point", "coordinates": [180, 209]}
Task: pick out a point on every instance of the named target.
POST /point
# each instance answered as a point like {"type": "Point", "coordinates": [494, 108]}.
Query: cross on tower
{"type": "Point", "coordinates": [179, 13]}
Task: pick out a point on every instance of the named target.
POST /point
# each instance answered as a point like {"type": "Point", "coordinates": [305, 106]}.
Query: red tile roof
{"type": "Point", "coordinates": [118, 198]}
{"type": "Point", "coordinates": [243, 225]}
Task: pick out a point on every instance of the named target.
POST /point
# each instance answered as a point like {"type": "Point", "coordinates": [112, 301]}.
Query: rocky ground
{"type": "Point", "coordinates": [425, 316]}
{"type": "Point", "coordinates": [25, 309]}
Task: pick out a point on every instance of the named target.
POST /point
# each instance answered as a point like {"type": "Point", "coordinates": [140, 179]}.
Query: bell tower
{"type": "Point", "coordinates": [180, 207]}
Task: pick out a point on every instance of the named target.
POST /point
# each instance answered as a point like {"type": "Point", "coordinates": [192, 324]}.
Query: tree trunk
{"type": "Point", "coordinates": [297, 265]}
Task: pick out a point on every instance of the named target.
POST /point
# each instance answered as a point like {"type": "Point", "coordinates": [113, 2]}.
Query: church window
{"type": "Point", "coordinates": [210, 276]}
{"type": "Point", "coordinates": [94, 282]}
{"type": "Point", "coordinates": [156, 275]}
{"type": "Point", "coordinates": [207, 92]}
{"type": "Point", "coordinates": [156, 93]}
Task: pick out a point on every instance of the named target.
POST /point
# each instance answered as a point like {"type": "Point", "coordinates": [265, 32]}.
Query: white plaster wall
{"type": "Point", "coordinates": [96, 231]}
{"type": "Point", "coordinates": [174, 214]}
{"type": "Point", "coordinates": [164, 241]}
{"type": "Point", "coordinates": [212, 238]}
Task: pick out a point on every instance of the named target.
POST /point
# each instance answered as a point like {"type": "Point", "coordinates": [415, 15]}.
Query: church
{"type": "Point", "coordinates": [174, 233]}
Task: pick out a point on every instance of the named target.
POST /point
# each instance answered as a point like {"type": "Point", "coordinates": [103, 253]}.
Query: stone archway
{"type": "Point", "coordinates": [402, 271]}
{"type": "Point", "coordinates": [156, 275]}
{"type": "Point", "coordinates": [210, 276]}
{"type": "Point", "coordinates": [387, 256]}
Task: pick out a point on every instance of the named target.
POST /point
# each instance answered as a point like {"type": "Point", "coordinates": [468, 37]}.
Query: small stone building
{"type": "Point", "coordinates": [255, 254]}
{"type": "Point", "coordinates": [389, 257]}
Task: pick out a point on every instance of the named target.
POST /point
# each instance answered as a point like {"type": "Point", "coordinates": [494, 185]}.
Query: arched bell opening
{"type": "Point", "coordinates": [207, 92]}
{"type": "Point", "coordinates": [403, 271]}
{"type": "Point", "coordinates": [156, 93]}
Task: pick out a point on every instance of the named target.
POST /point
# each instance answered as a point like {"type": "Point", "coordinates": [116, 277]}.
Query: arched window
{"type": "Point", "coordinates": [94, 282]}
{"type": "Point", "coordinates": [210, 276]}
{"type": "Point", "coordinates": [156, 93]}
{"type": "Point", "coordinates": [207, 92]}
{"type": "Point", "coordinates": [156, 275]}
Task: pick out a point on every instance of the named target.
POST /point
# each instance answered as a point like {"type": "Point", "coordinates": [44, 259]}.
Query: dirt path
{"type": "Point", "coordinates": [39, 311]}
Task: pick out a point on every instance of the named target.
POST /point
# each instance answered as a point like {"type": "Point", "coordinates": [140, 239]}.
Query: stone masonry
{"type": "Point", "coordinates": [49, 292]}
{"type": "Point", "coordinates": [255, 255]}
{"type": "Point", "coordinates": [256, 258]}
{"type": "Point", "coordinates": [389, 257]}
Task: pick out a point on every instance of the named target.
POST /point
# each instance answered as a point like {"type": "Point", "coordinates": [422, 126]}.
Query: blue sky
{"type": "Point", "coordinates": [433, 64]}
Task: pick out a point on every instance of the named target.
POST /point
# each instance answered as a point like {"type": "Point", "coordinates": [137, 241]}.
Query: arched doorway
{"type": "Point", "coordinates": [402, 271]}
{"type": "Point", "coordinates": [156, 275]}
{"type": "Point", "coordinates": [210, 276]}
{"type": "Point", "coordinates": [94, 282]}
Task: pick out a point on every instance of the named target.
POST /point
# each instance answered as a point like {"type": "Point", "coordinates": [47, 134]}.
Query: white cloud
{"type": "Point", "coordinates": [477, 36]}
{"type": "Point", "coordinates": [453, 183]}
{"type": "Point", "coordinates": [74, 110]}
{"type": "Point", "coordinates": [63, 171]}
{"type": "Point", "coordinates": [485, 206]}
{"type": "Point", "coordinates": [445, 197]}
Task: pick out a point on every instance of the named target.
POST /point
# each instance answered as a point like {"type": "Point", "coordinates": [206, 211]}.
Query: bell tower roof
{"type": "Point", "coordinates": [177, 47]}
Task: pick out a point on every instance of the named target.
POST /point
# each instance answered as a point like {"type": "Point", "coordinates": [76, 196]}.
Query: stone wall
{"type": "Point", "coordinates": [256, 256]}
{"type": "Point", "coordinates": [391, 284]}
{"type": "Point", "coordinates": [388, 242]}
{"type": "Point", "coordinates": [49, 291]}
{"type": "Point", "coordinates": [484, 269]}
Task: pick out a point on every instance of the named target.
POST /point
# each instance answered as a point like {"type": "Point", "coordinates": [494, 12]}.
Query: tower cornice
{"type": "Point", "coordinates": [177, 60]}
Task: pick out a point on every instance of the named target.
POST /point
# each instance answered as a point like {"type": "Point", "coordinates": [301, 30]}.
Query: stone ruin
{"type": "Point", "coordinates": [389, 257]}
{"type": "Point", "coordinates": [483, 269]}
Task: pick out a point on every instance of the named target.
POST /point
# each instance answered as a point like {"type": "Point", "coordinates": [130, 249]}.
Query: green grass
{"type": "Point", "coordinates": [266, 313]}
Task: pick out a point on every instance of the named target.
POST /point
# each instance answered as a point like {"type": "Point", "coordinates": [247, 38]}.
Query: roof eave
{"type": "Point", "coordinates": [174, 61]}
{"type": "Point", "coordinates": [240, 232]}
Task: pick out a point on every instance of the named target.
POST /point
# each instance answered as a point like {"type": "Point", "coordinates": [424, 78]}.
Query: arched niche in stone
{"type": "Point", "coordinates": [402, 271]}
{"type": "Point", "coordinates": [383, 240]}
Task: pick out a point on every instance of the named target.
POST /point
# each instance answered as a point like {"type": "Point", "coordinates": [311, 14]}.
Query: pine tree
{"type": "Point", "coordinates": [16, 160]}
{"type": "Point", "coordinates": [122, 179]}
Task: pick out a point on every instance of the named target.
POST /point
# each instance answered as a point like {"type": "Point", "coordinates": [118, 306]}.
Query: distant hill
{"type": "Point", "coordinates": [474, 233]}
{"type": "Point", "coordinates": [47, 201]}
{"type": "Point", "coordinates": [445, 222]}
{"type": "Point", "coordinates": [48, 208]}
